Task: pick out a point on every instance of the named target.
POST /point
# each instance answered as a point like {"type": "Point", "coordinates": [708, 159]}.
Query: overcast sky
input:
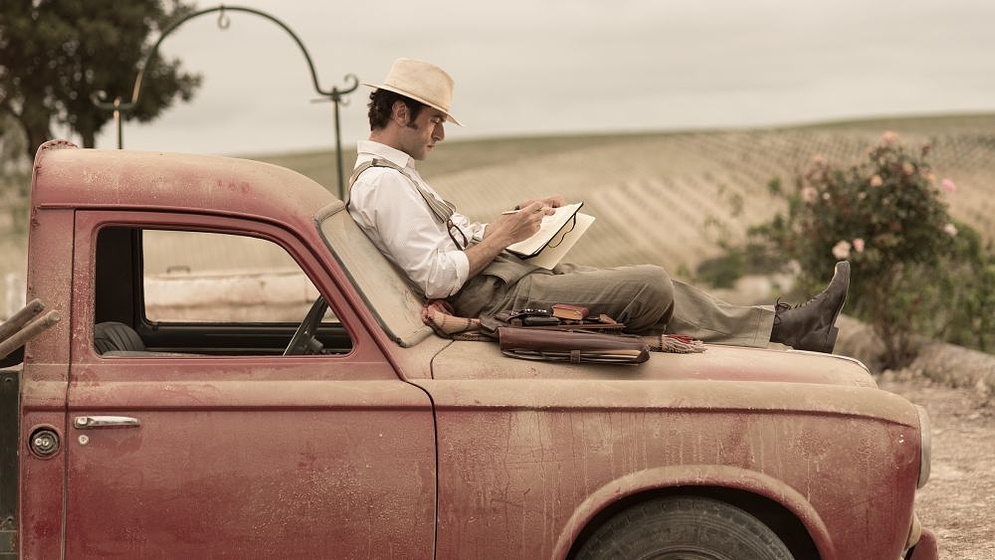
{"type": "Point", "coordinates": [552, 66]}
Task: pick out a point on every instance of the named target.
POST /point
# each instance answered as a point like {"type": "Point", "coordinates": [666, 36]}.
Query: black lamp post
{"type": "Point", "coordinates": [335, 94]}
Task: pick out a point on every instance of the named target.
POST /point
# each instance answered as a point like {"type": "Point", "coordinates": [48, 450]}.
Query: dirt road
{"type": "Point", "coordinates": [958, 503]}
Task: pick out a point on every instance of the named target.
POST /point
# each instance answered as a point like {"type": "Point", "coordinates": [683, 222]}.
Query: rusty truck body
{"type": "Point", "coordinates": [359, 433]}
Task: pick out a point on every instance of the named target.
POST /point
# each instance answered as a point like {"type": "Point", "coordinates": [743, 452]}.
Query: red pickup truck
{"type": "Point", "coordinates": [152, 425]}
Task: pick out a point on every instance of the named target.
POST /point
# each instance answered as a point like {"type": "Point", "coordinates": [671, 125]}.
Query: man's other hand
{"type": "Point", "coordinates": [554, 201]}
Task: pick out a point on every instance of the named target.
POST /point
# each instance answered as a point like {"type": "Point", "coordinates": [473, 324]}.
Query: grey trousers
{"type": "Point", "coordinates": [643, 297]}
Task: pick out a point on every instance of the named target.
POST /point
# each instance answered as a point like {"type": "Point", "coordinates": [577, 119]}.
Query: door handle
{"type": "Point", "coordinates": [93, 422]}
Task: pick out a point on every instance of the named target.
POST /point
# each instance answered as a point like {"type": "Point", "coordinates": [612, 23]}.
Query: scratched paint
{"type": "Point", "coordinates": [526, 451]}
{"type": "Point", "coordinates": [519, 475]}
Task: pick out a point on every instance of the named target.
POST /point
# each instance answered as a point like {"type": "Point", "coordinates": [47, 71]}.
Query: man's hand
{"type": "Point", "coordinates": [514, 227]}
{"type": "Point", "coordinates": [554, 201]}
{"type": "Point", "coordinates": [510, 227]}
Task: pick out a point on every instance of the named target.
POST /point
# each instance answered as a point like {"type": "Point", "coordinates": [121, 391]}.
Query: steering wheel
{"type": "Point", "coordinates": [304, 341]}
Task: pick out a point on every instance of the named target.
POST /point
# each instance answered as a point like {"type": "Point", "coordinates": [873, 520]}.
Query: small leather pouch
{"type": "Point", "coordinates": [543, 319]}
{"type": "Point", "coordinates": [540, 321]}
{"type": "Point", "coordinates": [574, 346]}
{"type": "Point", "coordinates": [528, 317]}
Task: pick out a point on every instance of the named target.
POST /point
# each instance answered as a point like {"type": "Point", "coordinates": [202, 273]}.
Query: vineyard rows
{"type": "Point", "coordinates": [666, 198]}
{"type": "Point", "coordinates": [670, 199]}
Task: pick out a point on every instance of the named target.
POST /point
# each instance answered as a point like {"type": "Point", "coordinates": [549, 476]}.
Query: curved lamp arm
{"type": "Point", "coordinates": [101, 100]}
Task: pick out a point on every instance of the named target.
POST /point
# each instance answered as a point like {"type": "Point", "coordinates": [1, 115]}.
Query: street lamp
{"type": "Point", "coordinates": [336, 95]}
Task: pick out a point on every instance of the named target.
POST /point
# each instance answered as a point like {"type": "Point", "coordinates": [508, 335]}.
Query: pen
{"type": "Point", "coordinates": [517, 210]}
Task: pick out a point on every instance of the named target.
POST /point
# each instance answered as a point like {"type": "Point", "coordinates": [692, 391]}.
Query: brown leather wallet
{"type": "Point", "coordinates": [574, 346]}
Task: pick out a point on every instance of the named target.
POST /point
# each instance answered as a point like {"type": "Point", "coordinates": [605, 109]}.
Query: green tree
{"type": "Point", "coordinates": [55, 54]}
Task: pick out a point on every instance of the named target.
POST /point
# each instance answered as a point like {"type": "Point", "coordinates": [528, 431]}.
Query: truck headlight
{"type": "Point", "coordinates": [925, 446]}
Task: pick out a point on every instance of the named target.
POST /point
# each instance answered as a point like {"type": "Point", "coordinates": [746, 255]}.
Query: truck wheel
{"type": "Point", "coordinates": [684, 528]}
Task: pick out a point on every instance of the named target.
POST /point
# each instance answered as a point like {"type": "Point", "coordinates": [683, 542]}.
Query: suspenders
{"type": "Point", "coordinates": [443, 211]}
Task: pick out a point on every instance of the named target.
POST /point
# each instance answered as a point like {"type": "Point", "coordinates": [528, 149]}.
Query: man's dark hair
{"type": "Point", "coordinates": [382, 104]}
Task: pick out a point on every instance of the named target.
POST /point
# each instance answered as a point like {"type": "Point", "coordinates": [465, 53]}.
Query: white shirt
{"type": "Point", "coordinates": [396, 218]}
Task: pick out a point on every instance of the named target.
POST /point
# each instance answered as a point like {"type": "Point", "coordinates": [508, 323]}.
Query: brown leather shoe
{"type": "Point", "coordinates": [812, 325]}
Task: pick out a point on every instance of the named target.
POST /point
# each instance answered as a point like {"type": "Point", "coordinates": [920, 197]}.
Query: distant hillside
{"type": "Point", "coordinates": [666, 198]}
{"type": "Point", "coordinates": [663, 198]}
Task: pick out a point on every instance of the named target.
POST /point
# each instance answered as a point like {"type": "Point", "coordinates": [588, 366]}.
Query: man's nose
{"type": "Point", "coordinates": [439, 134]}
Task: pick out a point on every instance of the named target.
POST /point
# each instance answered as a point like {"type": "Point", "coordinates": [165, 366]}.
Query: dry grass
{"type": "Point", "coordinates": [668, 198]}
{"type": "Point", "coordinates": [659, 196]}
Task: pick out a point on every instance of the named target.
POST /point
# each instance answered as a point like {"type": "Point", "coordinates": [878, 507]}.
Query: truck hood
{"type": "Point", "coordinates": [484, 361]}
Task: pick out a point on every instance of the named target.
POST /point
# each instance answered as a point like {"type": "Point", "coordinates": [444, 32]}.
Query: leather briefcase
{"type": "Point", "coordinates": [574, 346]}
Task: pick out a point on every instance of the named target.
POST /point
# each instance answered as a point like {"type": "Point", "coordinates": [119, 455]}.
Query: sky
{"type": "Point", "coordinates": [526, 67]}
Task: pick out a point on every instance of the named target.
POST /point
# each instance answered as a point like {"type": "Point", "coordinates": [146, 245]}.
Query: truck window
{"type": "Point", "coordinates": [210, 277]}
{"type": "Point", "coordinates": [188, 292]}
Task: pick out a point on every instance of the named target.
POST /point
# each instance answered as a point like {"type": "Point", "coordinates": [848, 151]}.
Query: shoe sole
{"type": "Point", "coordinates": [831, 338]}
{"type": "Point", "coordinates": [834, 331]}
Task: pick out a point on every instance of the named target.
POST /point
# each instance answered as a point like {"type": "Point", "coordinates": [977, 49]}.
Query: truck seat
{"type": "Point", "coordinates": [112, 336]}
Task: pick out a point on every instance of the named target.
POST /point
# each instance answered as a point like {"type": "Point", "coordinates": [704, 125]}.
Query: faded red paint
{"type": "Point", "coordinates": [436, 450]}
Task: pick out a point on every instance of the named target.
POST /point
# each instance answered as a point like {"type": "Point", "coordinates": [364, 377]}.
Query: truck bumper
{"type": "Point", "coordinates": [925, 549]}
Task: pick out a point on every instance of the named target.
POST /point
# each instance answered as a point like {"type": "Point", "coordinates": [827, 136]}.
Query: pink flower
{"type": "Point", "coordinates": [889, 138]}
{"type": "Point", "coordinates": [858, 245]}
{"type": "Point", "coordinates": [949, 186]}
{"type": "Point", "coordinates": [810, 194]}
{"type": "Point", "coordinates": [841, 250]}
{"type": "Point", "coordinates": [907, 168]}
{"type": "Point", "coordinates": [876, 181]}
{"type": "Point", "coordinates": [950, 230]}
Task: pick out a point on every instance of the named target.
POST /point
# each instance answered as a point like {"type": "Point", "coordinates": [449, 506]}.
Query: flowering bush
{"type": "Point", "coordinates": [889, 218]}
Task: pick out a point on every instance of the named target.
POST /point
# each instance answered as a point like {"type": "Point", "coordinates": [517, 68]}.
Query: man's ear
{"type": "Point", "coordinates": [399, 113]}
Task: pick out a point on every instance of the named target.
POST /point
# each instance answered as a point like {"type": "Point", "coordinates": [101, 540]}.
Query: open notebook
{"type": "Point", "coordinates": [557, 234]}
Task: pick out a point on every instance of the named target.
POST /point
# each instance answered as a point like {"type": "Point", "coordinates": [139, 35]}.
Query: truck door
{"type": "Point", "coordinates": [190, 435]}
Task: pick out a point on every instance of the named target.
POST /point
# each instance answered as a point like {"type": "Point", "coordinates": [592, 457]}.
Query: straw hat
{"type": "Point", "coordinates": [421, 81]}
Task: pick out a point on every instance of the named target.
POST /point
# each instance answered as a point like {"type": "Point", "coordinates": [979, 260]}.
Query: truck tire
{"type": "Point", "coordinates": [684, 528]}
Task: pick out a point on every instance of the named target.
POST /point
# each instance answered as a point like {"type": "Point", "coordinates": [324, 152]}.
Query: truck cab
{"type": "Point", "coordinates": [238, 373]}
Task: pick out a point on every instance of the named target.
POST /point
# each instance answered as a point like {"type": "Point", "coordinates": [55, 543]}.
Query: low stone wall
{"type": "Point", "coordinates": [250, 296]}
{"type": "Point", "coordinates": [956, 366]}
{"type": "Point", "coordinates": [949, 364]}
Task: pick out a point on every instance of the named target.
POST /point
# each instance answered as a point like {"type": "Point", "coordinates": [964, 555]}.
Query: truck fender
{"type": "Point", "coordinates": [712, 476]}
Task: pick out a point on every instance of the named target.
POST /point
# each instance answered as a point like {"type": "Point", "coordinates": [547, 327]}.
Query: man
{"type": "Point", "coordinates": [448, 257]}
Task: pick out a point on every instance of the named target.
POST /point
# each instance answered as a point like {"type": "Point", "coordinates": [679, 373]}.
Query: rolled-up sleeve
{"type": "Point", "coordinates": [395, 217]}
{"type": "Point", "coordinates": [474, 231]}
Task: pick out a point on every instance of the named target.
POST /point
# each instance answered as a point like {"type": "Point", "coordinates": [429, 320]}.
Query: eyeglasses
{"type": "Point", "coordinates": [451, 226]}
{"type": "Point", "coordinates": [573, 224]}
